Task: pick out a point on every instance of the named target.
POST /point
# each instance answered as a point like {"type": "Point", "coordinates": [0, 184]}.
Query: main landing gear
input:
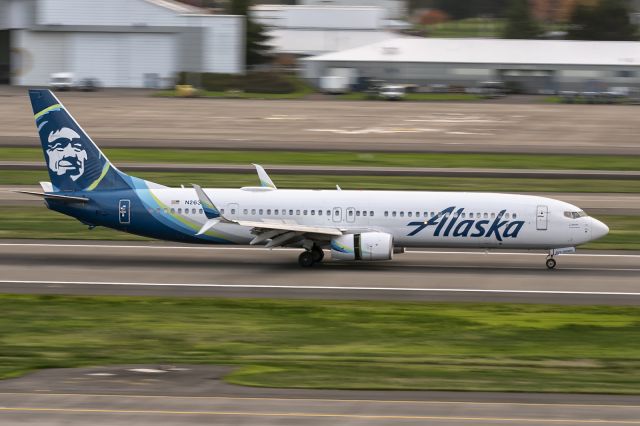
{"type": "Point", "coordinates": [310, 257]}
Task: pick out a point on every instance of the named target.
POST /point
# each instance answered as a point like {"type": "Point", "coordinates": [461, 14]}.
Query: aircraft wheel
{"type": "Point", "coordinates": [551, 263]}
{"type": "Point", "coordinates": [306, 259]}
{"type": "Point", "coordinates": [318, 254]}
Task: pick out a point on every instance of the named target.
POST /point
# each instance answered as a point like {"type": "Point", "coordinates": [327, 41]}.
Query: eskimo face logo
{"type": "Point", "coordinates": [66, 157]}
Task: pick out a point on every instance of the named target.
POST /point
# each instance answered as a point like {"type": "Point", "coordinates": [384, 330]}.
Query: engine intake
{"type": "Point", "coordinates": [365, 246]}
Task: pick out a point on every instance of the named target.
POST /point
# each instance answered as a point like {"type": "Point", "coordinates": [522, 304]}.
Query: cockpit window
{"type": "Point", "coordinates": [575, 215]}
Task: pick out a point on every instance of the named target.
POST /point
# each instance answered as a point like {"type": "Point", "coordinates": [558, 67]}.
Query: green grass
{"type": "Point", "coordinates": [38, 222]}
{"type": "Point", "coordinates": [235, 180]}
{"type": "Point", "coordinates": [334, 344]}
{"type": "Point", "coordinates": [339, 158]}
{"type": "Point", "coordinates": [418, 97]}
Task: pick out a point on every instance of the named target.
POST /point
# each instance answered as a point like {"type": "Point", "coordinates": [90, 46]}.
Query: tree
{"type": "Point", "coordinates": [519, 22]}
{"type": "Point", "coordinates": [256, 39]}
{"type": "Point", "coordinates": [607, 20]}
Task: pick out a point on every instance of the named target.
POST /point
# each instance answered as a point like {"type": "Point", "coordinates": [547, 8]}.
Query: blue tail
{"type": "Point", "coordinates": [75, 163]}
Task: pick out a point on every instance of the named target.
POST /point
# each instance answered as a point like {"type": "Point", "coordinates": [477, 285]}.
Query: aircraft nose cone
{"type": "Point", "coordinates": [598, 229]}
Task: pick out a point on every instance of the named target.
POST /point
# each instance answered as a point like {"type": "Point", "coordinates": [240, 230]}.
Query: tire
{"type": "Point", "coordinates": [306, 259]}
{"type": "Point", "coordinates": [318, 254]}
{"type": "Point", "coordinates": [551, 263]}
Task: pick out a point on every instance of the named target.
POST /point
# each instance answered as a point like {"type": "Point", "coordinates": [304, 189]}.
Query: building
{"type": "Point", "coordinates": [121, 43]}
{"type": "Point", "coordinates": [313, 30]}
{"type": "Point", "coordinates": [533, 65]}
{"type": "Point", "coordinates": [392, 9]}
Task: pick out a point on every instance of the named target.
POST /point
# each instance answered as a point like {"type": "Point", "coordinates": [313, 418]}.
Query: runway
{"type": "Point", "coordinates": [194, 395]}
{"type": "Point", "coordinates": [211, 271]}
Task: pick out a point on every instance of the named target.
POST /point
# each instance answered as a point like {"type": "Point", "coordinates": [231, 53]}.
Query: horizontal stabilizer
{"type": "Point", "coordinates": [63, 198]}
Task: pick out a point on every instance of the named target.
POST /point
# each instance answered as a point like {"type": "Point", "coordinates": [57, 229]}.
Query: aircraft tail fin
{"type": "Point", "coordinates": [74, 161]}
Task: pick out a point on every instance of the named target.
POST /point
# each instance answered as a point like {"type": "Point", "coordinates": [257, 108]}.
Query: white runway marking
{"type": "Point", "coordinates": [318, 287]}
{"type": "Point", "coordinates": [221, 247]}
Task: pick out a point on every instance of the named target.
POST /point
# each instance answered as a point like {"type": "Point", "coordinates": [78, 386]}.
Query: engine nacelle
{"type": "Point", "coordinates": [365, 246]}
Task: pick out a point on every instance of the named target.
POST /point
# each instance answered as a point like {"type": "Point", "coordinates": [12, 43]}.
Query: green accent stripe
{"type": "Point", "coordinates": [95, 183]}
{"type": "Point", "coordinates": [46, 110]}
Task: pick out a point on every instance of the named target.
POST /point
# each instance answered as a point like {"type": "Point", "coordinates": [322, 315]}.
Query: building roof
{"type": "Point", "coordinates": [497, 51]}
{"type": "Point", "coordinates": [315, 42]}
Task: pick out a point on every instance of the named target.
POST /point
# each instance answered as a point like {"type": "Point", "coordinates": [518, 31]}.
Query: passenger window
{"type": "Point", "coordinates": [253, 211]}
{"type": "Point", "coordinates": [506, 215]}
{"type": "Point", "coordinates": [319, 212]}
{"type": "Point", "coordinates": [470, 215]}
{"type": "Point", "coordinates": [260, 212]}
{"type": "Point", "coordinates": [493, 215]}
{"type": "Point", "coordinates": [290, 212]}
{"type": "Point", "coordinates": [166, 210]}
{"type": "Point", "coordinates": [233, 211]}
{"type": "Point", "coordinates": [313, 212]}
{"type": "Point", "coordinates": [180, 210]}
{"type": "Point", "coordinates": [173, 210]}
{"type": "Point", "coordinates": [386, 214]}
{"type": "Point", "coordinates": [371, 213]}
{"type": "Point", "coordinates": [245, 211]}
{"type": "Point", "coordinates": [410, 214]}
{"type": "Point", "coordinates": [350, 213]}
{"type": "Point", "coordinates": [393, 214]}
{"type": "Point", "coordinates": [269, 212]}
{"type": "Point", "coordinates": [222, 211]}
{"type": "Point", "coordinates": [364, 213]}
{"type": "Point", "coordinates": [486, 215]}
{"type": "Point", "coordinates": [514, 216]}
{"type": "Point", "coordinates": [328, 212]}
{"type": "Point", "coordinates": [401, 214]}
{"type": "Point", "coordinates": [193, 211]}
{"type": "Point", "coordinates": [304, 212]}
{"type": "Point", "coordinates": [358, 213]}
{"type": "Point", "coordinates": [200, 211]}
{"type": "Point", "coordinates": [298, 212]}
{"type": "Point", "coordinates": [464, 215]}
{"type": "Point", "coordinates": [275, 212]}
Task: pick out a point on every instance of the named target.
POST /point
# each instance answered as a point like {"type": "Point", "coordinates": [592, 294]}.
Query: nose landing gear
{"type": "Point", "coordinates": [551, 262]}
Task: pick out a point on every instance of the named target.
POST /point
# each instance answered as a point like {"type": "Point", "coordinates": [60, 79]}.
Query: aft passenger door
{"type": "Point", "coordinates": [542, 218]}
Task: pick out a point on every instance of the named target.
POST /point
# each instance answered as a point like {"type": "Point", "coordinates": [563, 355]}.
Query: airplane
{"type": "Point", "coordinates": [352, 225]}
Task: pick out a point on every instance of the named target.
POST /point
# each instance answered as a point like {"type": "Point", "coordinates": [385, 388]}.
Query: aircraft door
{"type": "Point", "coordinates": [336, 214]}
{"type": "Point", "coordinates": [124, 212]}
{"type": "Point", "coordinates": [351, 214]}
{"type": "Point", "coordinates": [542, 218]}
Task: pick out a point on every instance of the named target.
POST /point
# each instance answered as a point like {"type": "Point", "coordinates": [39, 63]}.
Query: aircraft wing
{"type": "Point", "coordinates": [276, 233]}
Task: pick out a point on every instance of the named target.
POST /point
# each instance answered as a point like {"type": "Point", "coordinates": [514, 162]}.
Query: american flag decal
{"type": "Point", "coordinates": [175, 202]}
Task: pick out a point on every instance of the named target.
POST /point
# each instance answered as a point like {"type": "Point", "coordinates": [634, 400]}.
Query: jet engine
{"type": "Point", "coordinates": [365, 246]}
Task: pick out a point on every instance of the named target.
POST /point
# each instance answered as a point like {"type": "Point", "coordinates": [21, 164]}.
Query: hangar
{"type": "Point", "coordinates": [534, 65]}
{"type": "Point", "coordinates": [121, 43]}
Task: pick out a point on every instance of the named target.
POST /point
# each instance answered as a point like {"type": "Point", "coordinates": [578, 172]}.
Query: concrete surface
{"type": "Point", "coordinates": [114, 118]}
{"type": "Point", "coordinates": [49, 267]}
{"type": "Point", "coordinates": [355, 171]}
{"type": "Point", "coordinates": [194, 395]}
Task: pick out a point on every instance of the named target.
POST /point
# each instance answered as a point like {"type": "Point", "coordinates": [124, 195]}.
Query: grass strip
{"type": "Point", "coordinates": [372, 159]}
{"type": "Point", "coordinates": [334, 344]}
{"type": "Point", "coordinates": [39, 222]}
{"type": "Point", "coordinates": [410, 183]}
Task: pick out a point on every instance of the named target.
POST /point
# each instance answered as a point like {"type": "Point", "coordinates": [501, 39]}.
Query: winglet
{"type": "Point", "coordinates": [210, 210]}
{"type": "Point", "coordinates": [265, 180]}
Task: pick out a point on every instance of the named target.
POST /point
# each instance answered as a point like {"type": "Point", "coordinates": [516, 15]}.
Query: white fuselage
{"type": "Point", "coordinates": [414, 219]}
